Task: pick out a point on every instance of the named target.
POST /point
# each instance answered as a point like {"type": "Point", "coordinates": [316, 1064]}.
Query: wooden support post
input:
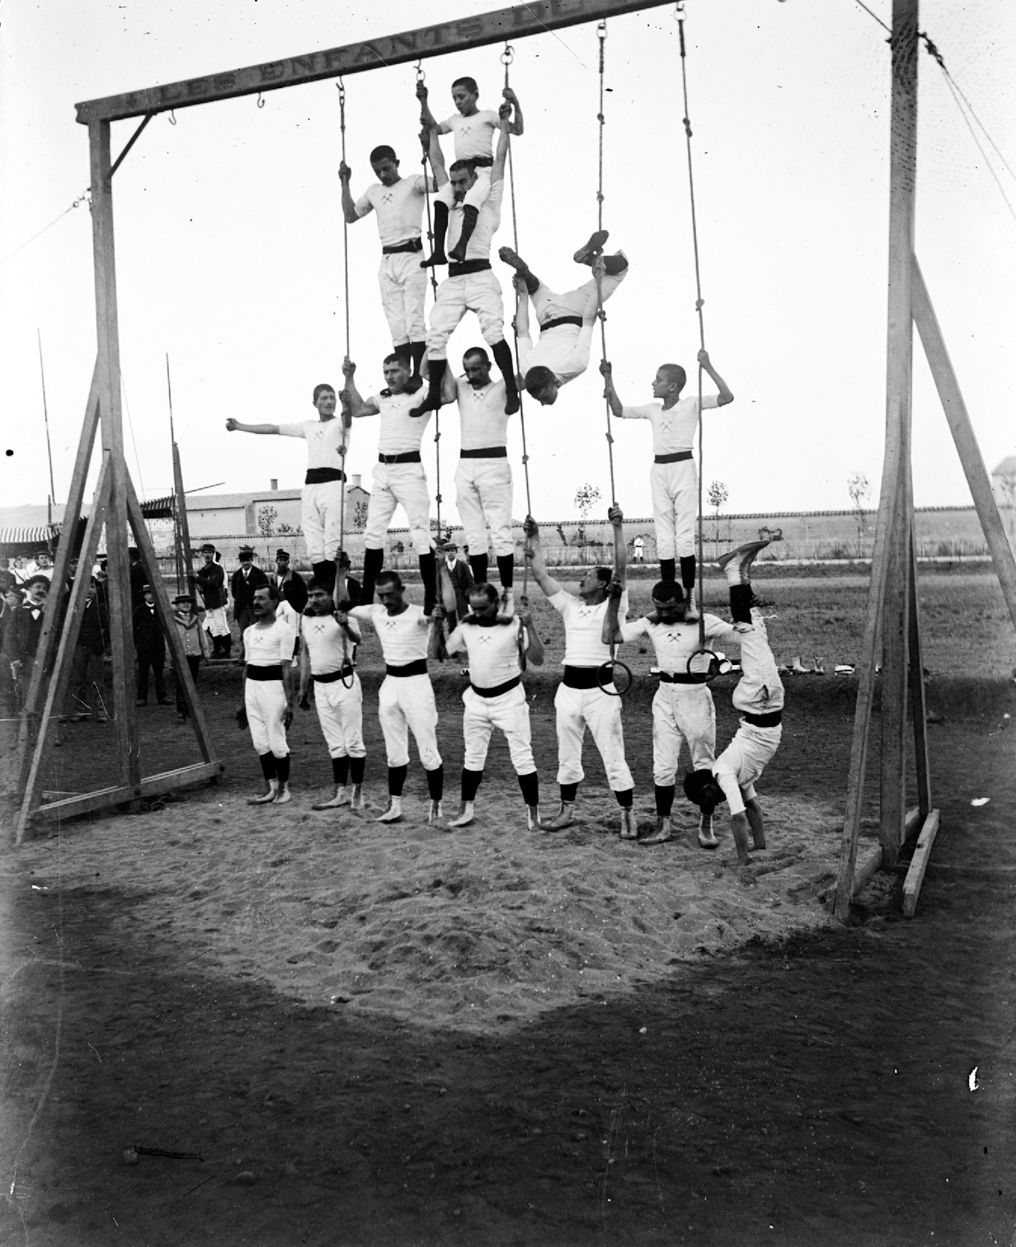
{"type": "Point", "coordinates": [918, 703]}
{"type": "Point", "coordinates": [173, 642]}
{"type": "Point", "coordinates": [963, 435]}
{"type": "Point", "coordinates": [107, 335]}
{"type": "Point", "coordinates": [895, 616]}
{"type": "Point", "coordinates": [181, 527]}
{"type": "Point", "coordinates": [66, 625]}
{"type": "Point", "coordinates": [919, 863]}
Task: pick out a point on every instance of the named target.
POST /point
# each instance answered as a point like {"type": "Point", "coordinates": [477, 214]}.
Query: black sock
{"type": "Point", "coordinates": [530, 785]}
{"type": "Point", "coordinates": [428, 574]}
{"type": "Point", "coordinates": [397, 780]}
{"type": "Point", "coordinates": [506, 570]}
{"type": "Point", "coordinates": [373, 561]}
{"type": "Point", "coordinates": [478, 566]}
{"type": "Point", "coordinates": [267, 761]}
{"type": "Point", "coordinates": [403, 352]}
{"type": "Point", "coordinates": [470, 784]}
{"type": "Point", "coordinates": [532, 281]}
{"type": "Point", "coordinates": [624, 799]}
{"type": "Point", "coordinates": [688, 566]}
{"type": "Point", "coordinates": [282, 769]}
{"type": "Point", "coordinates": [340, 771]}
{"type": "Point", "coordinates": [435, 783]}
{"type": "Point", "coordinates": [502, 353]}
{"type": "Point", "coordinates": [357, 767]}
{"type": "Point", "coordinates": [440, 227]}
{"type": "Point", "coordinates": [435, 376]}
{"type": "Point", "coordinates": [741, 598]}
{"type": "Point", "coordinates": [664, 799]}
{"type": "Point", "coordinates": [569, 792]}
{"type": "Point", "coordinates": [668, 569]}
{"type": "Point", "coordinates": [417, 350]}
{"type": "Point", "coordinates": [614, 264]}
{"type": "Point", "coordinates": [470, 216]}
{"type": "Point", "coordinates": [326, 574]}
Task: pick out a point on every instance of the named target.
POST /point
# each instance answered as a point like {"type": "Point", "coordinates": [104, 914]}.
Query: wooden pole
{"type": "Point", "coordinates": [966, 442]}
{"type": "Point", "coordinates": [918, 702]}
{"type": "Point", "coordinates": [107, 335]}
{"type": "Point", "coordinates": [903, 173]}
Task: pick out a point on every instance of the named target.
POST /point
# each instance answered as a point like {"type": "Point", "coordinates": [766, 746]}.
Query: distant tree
{"type": "Point", "coordinates": [586, 497]}
{"type": "Point", "coordinates": [858, 487]}
{"type": "Point", "coordinates": [266, 518]}
{"type": "Point", "coordinates": [717, 497]}
{"type": "Point", "coordinates": [284, 530]}
{"type": "Point", "coordinates": [359, 516]}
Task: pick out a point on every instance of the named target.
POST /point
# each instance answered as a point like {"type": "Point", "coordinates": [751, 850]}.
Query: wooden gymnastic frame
{"type": "Point", "coordinates": [892, 601]}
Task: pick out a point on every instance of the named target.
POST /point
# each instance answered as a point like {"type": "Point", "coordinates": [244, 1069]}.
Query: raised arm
{"type": "Point", "coordinates": [236, 426]}
{"type": "Point", "coordinates": [521, 306]}
{"type": "Point", "coordinates": [449, 387]}
{"type": "Point", "coordinates": [357, 407]}
{"type": "Point", "coordinates": [348, 206]}
{"type": "Point", "coordinates": [726, 394]}
{"type": "Point", "coordinates": [611, 634]}
{"type": "Point", "coordinates": [609, 393]}
{"type": "Point", "coordinates": [518, 124]}
{"type": "Point", "coordinates": [435, 155]}
{"type": "Point", "coordinates": [501, 153]}
{"type": "Point", "coordinates": [426, 116]}
{"type": "Point", "coordinates": [534, 553]}
{"type": "Point", "coordinates": [534, 646]}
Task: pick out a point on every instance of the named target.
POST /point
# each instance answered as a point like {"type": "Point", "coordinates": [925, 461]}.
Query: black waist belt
{"type": "Point", "coordinates": [406, 456]}
{"type": "Point", "coordinates": [467, 267]}
{"type": "Point", "coordinates": [411, 668]}
{"type": "Point", "coordinates": [667, 677]}
{"type": "Point", "coordinates": [329, 677]}
{"type": "Point", "coordinates": [678, 456]}
{"type": "Point", "coordinates": [487, 452]}
{"type": "Point", "coordinates": [263, 673]}
{"type": "Point", "coordinates": [481, 162]}
{"type": "Point", "coordinates": [764, 720]}
{"type": "Point", "coordinates": [498, 689]}
{"type": "Point", "coordinates": [319, 476]}
{"type": "Point", "coordinates": [561, 320]}
{"type": "Point", "coordinates": [413, 244]}
{"type": "Point", "coordinates": [583, 677]}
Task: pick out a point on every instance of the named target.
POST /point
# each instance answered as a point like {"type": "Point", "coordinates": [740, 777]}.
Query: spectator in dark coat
{"type": "Point", "coordinates": [245, 582]}
{"type": "Point", "coordinates": [21, 636]}
{"type": "Point", "coordinates": [290, 584]}
{"type": "Point", "coordinates": [86, 666]}
{"type": "Point", "coordinates": [150, 643]}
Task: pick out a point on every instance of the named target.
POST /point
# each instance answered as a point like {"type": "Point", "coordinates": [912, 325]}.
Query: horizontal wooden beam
{"type": "Point", "coordinates": [537, 18]}
{"type": "Point", "coordinates": [149, 786]}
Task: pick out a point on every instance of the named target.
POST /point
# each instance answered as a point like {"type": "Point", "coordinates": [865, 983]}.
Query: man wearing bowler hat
{"type": "Point", "coordinates": [245, 582]}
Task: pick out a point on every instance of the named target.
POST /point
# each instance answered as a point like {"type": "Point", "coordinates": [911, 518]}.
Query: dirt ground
{"type": "Point", "coordinates": [401, 1035]}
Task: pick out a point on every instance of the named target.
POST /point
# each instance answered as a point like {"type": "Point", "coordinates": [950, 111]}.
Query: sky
{"type": "Point", "coordinates": [230, 254]}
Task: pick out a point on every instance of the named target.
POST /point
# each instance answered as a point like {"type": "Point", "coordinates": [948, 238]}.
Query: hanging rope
{"type": "Point", "coordinates": [340, 590]}
{"type": "Point", "coordinates": [601, 32]}
{"type": "Point", "coordinates": [699, 301]}
{"type": "Point", "coordinates": [507, 57]}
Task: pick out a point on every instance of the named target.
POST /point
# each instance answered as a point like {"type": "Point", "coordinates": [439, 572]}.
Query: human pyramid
{"type": "Point", "coordinates": [496, 636]}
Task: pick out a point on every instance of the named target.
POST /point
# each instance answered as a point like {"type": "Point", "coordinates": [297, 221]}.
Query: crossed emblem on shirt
{"type": "Point", "coordinates": [586, 611]}
{"type": "Point", "coordinates": [665, 424]}
{"type": "Point", "coordinates": [390, 624]}
{"type": "Point", "coordinates": [483, 640]}
{"type": "Point", "coordinates": [387, 199]}
{"type": "Point", "coordinates": [317, 627]}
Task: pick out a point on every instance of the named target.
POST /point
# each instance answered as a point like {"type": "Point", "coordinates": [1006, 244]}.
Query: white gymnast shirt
{"type": "Point", "coordinates": [482, 413]}
{"type": "Point", "coordinates": [400, 432]}
{"type": "Point", "coordinates": [268, 647]}
{"type": "Point", "coordinates": [323, 438]}
{"type": "Point", "coordinates": [474, 135]}
{"type": "Point", "coordinates": [675, 643]}
{"type": "Point", "coordinates": [399, 209]}
{"type": "Point", "coordinates": [673, 429]}
{"type": "Point", "coordinates": [403, 637]}
{"type": "Point", "coordinates": [323, 637]}
{"type": "Point", "coordinates": [583, 628]}
{"type": "Point", "coordinates": [493, 652]}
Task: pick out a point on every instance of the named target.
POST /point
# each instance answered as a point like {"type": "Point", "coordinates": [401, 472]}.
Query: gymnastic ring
{"type": "Point", "coordinates": [711, 672]}
{"type": "Point", "coordinates": [605, 675]}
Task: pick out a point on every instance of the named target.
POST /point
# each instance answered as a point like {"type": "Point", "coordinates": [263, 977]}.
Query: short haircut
{"type": "Point", "coordinates": [468, 83]}
{"type": "Point", "coordinates": [321, 389]}
{"type": "Point", "coordinates": [396, 358]}
{"type": "Point", "coordinates": [676, 373]}
{"type": "Point", "coordinates": [384, 152]}
{"type": "Point", "coordinates": [270, 589]}
{"type": "Point", "coordinates": [457, 165]}
{"type": "Point", "coordinates": [603, 574]}
{"type": "Point", "coordinates": [538, 378]}
{"type": "Point", "coordinates": [698, 783]}
{"type": "Point", "coordinates": [486, 589]}
{"type": "Point", "coordinates": [476, 352]}
{"type": "Point", "coordinates": [667, 591]}
{"type": "Point", "coordinates": [318, 586]}
{"type": "Point", "coordinates": [390, 578]}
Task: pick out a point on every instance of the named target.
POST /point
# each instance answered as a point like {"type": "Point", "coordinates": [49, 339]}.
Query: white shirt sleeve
{"type": "Point", "coordinates": [292, 430]}
{"type": "Point", "coordinates": [645, 412]}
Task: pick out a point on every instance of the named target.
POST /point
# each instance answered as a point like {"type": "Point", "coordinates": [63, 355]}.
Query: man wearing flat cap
{"type": "Point", "coordinates": [290, 584]}
{"type": "Point", "coordinates": [456, 580]}
{"type": "Point", "coordinates": [21, 636]}
{"type": "Point", "coordinates": [193, 640]}
{"type": "Point", "coordinates": [212, 587]}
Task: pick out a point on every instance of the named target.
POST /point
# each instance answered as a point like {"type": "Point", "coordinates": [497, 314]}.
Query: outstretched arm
{"type": "Point", "coordinates": [534, 553]}
{"type": "Point", "coordinates": [726, 394]}
{"type": "Point", "coordinates": [435, 155]}
{"type": "Point", "coordinates": [518, 124]}
{"type": "Point", "coordinates": [609, 393]}
{"type": "Point", "coordinates": [426, 116]}
{"type": "Point", "coordinates": [521, 306]}
{"type": "Point", "coordinates": [611, 623]}
{"type": "Point", "coordinates": [449, 387]}
{"type": "Point", "coordinates": [236, 426]}
{"type": "Point", "coordinates": [357, 407]}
